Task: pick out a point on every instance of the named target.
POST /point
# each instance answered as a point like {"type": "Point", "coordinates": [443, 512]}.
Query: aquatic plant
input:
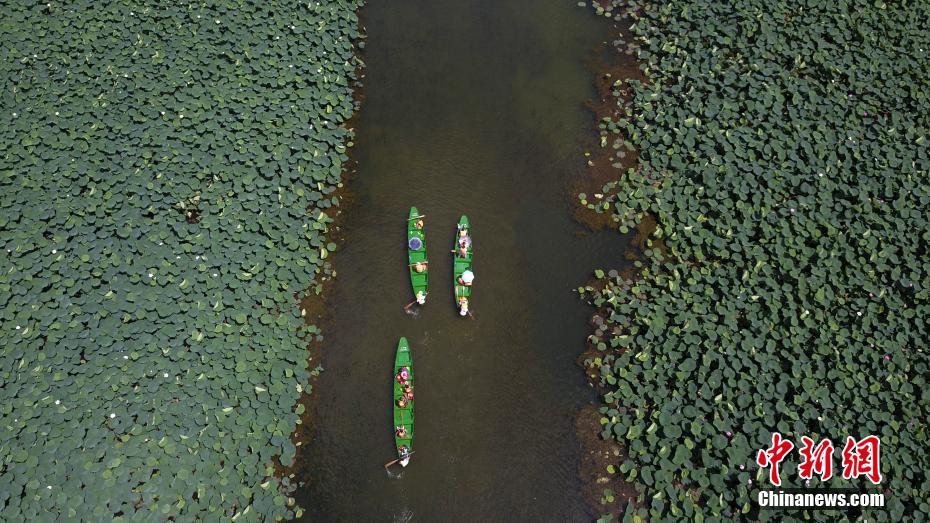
{"type": "Point", "coordinates": [783, 151]}
{"type": "Point", "coordinates": [167, 173]}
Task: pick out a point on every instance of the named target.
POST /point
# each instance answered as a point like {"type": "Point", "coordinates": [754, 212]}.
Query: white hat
{"type": "Point", "coordinates": [468, 276]}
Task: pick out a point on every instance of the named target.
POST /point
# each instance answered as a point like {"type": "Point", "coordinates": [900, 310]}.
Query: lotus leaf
{"type": "Point", "coordinates": [786, 287]}
{"type": "Point", "coordinates": [164, 167]}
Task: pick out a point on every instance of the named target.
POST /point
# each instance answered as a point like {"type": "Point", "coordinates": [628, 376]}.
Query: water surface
{"type": "Point", "coordinates": [470, 107]}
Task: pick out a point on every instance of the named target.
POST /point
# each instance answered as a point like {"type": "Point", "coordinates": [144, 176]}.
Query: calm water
{"type": "Point", "coordinates": [471, 107]}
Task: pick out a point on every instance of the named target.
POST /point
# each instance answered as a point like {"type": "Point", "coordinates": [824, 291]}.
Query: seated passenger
{"type": "Point", "coordinates": [466, 278]}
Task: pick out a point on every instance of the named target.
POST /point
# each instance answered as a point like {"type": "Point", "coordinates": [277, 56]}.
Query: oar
{"type": "Point", "coordinates": [414, 263]}
{"type": "Point", "coordinates": [407, 307]}
{"type": "Point", "coordinates": [388, 464]}
{"type": "Point", "coordinates": [416, 217]}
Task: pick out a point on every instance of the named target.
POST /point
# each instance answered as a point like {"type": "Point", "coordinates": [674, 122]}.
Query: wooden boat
{"type": "Point", "coordinates": [416, 254]}
{"type": "Point", "coordinates": [403, 416]}
{"type": "Point", "coordinates": [461, 264]}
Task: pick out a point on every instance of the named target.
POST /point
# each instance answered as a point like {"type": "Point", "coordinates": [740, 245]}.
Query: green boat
{"type": "Point", "coordinates": [461, 264]}
{"type": "Point", "coordinates": [416, 256]}
{"type": "Point", "coordinates": [403, 416]}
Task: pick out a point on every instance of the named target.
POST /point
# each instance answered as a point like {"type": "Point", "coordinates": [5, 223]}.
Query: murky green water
{"type": "Point", "coordinates": [471, 107]}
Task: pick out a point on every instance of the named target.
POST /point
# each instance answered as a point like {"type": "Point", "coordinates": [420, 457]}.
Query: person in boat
{"type": "Point", "coordinates": [466, 278]}
{"type": "Point", "coordinates": [462, 252]}
{"type": "Point", "coordinates": [420, 266]}
{"type": "Point", "coordinates": [419, 299]}
{"type": "Point", "coordinates": [463, 306]}
{"type": "Point", "coordinates": [408, 389]}
{"type": "Point", "coordinates": [418, 223]}
{"type": "Point", "coordinates": [402, 402]}
{"type": "Point", "coordinates": [403, 450]}
{"type": "Point", "coordinates": [403, 375]}
{"type": "Point", "coordinates": [464, 239]}
{"type": "Point", "coordinates": [401, 432]}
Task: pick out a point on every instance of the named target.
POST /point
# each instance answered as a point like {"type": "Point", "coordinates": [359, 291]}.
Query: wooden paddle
{"type": "Point", "coordinates": [411, 304]}
{"type": "Point", "coordinates": [416, 217]}
{"type": "Point", "coordinates": [388, 464]}
{"type": "Point", "coordinates": [414, 263]}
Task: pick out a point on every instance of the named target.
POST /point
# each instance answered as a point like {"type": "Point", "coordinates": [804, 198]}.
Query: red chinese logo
{"type": "Point", "coordinates": [861, 458]}
{"type": "Point", "coordinates": [816, 460]}
{"type": "Point", "coordinates": [773, 456]}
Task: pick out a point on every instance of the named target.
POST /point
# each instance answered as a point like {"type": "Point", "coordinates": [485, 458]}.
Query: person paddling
{"type": "Point", "coordinates": [463, 306]}
{"type": "Point", "coordinates": [420, 300]}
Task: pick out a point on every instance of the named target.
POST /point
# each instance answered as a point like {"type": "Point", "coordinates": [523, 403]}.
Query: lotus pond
{"type": "Point", "coordinates": [167, 172]}
{"type": "Point", "coordinates": [783, 152]}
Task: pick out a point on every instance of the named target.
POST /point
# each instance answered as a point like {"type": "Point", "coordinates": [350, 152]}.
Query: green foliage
{"type": "Point", "coordinates": [165, 169]}
{"type": "Point", "coordinates": [783, 151]}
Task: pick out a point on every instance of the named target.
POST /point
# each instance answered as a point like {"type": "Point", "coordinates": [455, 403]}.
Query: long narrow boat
{"type": "Point", "coordinates": [403, 416]}
{"type": "Point", "coordinates": [416, 256]}
{"type": "Point", "coordinates": [461, 264]}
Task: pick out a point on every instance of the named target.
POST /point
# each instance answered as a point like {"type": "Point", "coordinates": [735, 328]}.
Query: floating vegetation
{"type": "Point", "coordinates": [783, 151]}
{"type": "Point", "coordinates": [167, 172]}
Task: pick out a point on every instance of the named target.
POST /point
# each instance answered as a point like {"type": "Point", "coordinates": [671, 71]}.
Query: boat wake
{"type": "Point", "coordinates": [394, 475]}
{"type": "Point", "coordinates": [405, 516]}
